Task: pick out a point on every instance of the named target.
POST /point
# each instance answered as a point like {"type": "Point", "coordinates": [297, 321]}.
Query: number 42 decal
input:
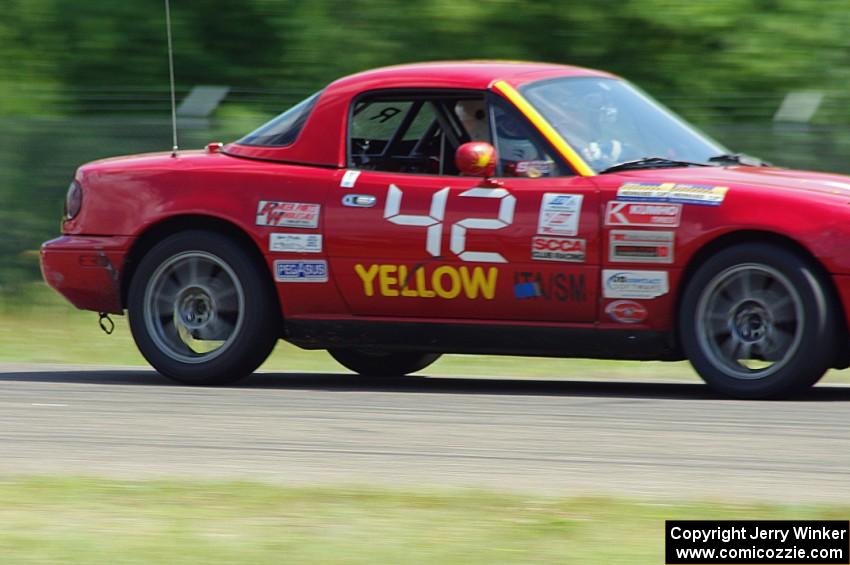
{"type": "Point", "coordinates": [434, 221]}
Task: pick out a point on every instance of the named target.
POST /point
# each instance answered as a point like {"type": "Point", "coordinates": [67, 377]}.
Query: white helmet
{"type": "Point", "coordinates": [474, 118]}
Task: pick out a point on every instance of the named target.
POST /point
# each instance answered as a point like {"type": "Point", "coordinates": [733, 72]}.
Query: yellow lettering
{"type": "Point", "coordinates": [405, 282]}
{"type": "Point", "coordinates": [386, 279]}
{"type": "Point", "coordinates": [437, 282]}
{"type": "Point", "coordinates": [368, 278]}
{"type": "Point", "coordinates": [479, 282]}
{"type": "Point", "coordinates": [421, 286]}
{"type": "Point", "coordinates": [445, 281]}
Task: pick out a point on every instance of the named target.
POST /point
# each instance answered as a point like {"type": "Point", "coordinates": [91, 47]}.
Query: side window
{"type": "Point", "coordinates": [376, 123]}
{"type": "Point", "coordinates": [416, 133]}
{"type": "Point", "coordinates": [284, 129]}
{"type": "Point", "coordinates": [522, 152]}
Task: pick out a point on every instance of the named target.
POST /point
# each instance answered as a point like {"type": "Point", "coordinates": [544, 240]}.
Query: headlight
{"type": "Point", "coordinates": [73, 201]}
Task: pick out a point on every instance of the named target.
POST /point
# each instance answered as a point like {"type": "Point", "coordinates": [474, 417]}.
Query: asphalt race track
{"type": "Point", "coordinates": [565, 437]}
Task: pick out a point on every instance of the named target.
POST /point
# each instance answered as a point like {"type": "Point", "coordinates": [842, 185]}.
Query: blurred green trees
{"type": "Point", "coordinates": [672, 48]}
{"type": "Point", "coordinates": [84, 79]}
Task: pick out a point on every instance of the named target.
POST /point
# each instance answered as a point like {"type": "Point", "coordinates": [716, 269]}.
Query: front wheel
{"type": "Point", "coordinates": [383, 364]}
{"type": "Point", "coordinates": [201, 310]}
{"type": "Point", "coordinates": [758, 321]}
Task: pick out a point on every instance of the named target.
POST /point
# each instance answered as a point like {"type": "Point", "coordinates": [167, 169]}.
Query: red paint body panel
{"type": "Point", "coordinates": [125, 197]}
{"type": "Point", "coordinates": [360, 236]}
{"type": "Point", "coordinates": [808, 208]}
{"type": "Point", "coordinates": [842, 284]}
{"type": "Point", "coordinates": [155, 188]}
{"type": "Point", "coordinates": [95, 287]}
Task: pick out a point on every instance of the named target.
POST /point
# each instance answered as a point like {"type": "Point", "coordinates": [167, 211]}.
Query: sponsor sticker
{"type": "Point", "coordinates": [533, 169]}
{"type": "Point", "coordinates": [559, 214]}
{"type": "Point", "coordinates": [626, 311]}
{"type": "Point", "coordinates": [527, 290]}
{"type": "Point", "coordinates": [550, 286]}
{"type": "Point", "coordinates": [640, 246]}
{"type": "Point", "coordinates": [349, 179]}
{"type": "Point", "coordinates": [705, 195]}
{"type": "Point", "coordinates": [301, 271]}
{"type": "Point", "coordinates": [296, 242]}
{"type": "Point", "coordinates": [290, 214]}
{"type": "Point", "coordinates": [567, 249]}
{"type": "Point", "coordinates": [634, 284]}
{"type": "Point", "coordinates": [643, 214]}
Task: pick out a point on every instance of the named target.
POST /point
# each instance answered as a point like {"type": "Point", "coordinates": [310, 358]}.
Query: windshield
{"type": "Point", "coordinates": [608, 121]}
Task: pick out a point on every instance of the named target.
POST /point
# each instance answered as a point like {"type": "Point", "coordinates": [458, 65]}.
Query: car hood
{"type": "Point", "coordinates": [767, 178]}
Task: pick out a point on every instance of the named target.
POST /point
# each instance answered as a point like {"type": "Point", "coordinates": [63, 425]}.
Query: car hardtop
{"type": "Point", "coordinates": [473, 75]}
{"type": "Point", "coordinates": [322, 140]}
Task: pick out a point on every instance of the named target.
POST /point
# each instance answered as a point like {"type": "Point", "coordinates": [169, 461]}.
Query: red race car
{"type": "Point", "coordinates": [468, 207]}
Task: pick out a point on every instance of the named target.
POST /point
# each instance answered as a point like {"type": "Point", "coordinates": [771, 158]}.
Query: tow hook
{"type": "Point", "coordinates": [106, 323]}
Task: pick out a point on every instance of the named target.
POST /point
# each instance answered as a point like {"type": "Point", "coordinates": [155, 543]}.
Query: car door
{"type": "Point", "coordinates": [409, 237]}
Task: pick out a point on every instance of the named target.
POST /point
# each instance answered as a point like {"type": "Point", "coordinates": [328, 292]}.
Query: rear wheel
{"type": "Point", "coordinates": [201, 310]}
{"type": "Point", "coordinates": [383, 364]}
{"type": "Point", "coordinates": [758, 321]}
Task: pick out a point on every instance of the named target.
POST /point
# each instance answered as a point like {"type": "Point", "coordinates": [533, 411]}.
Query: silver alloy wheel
{"type": "Point", "coordinates": [749, 321]}
{"type": "Point", "coordinates": [193, 307]}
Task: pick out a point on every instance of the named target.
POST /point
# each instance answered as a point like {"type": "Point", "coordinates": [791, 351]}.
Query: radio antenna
{"type": "Point", "coordinates": [174, 146]}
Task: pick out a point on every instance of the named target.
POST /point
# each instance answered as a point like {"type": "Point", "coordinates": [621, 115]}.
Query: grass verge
{"type": "Point", "coordinates": [76, 520]}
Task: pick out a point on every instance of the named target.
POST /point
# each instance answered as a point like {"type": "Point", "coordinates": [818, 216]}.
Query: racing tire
{"type": "Point", "coordinates": [382, 364]}
{"type": "Point", "coordinates": [201, 311]}
{"type": "Point", "coordinates": [759, 321]}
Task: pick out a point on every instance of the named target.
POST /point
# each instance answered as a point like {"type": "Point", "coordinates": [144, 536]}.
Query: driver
{"type": "Point", "coordinates": [604, 150]}
{"type": "Point", "coordinates": [473, 116]}
{"type": "Point", "coordinates": [589, 119]}
{"type": "Point", "coordinates": [514, 145]}
{"type": "Point", "coordinates": [514, 140]}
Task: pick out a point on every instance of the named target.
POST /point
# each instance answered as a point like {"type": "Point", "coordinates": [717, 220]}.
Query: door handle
{"type": "Point", "coordinates": [359, 200]}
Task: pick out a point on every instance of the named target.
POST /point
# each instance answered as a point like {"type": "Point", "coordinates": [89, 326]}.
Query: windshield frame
{"type": "Point", "coordinates": [525, 90]}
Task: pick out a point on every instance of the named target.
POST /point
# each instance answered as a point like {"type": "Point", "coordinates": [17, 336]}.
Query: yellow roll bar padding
{"type": "Point", "coordinates": [550, 133]}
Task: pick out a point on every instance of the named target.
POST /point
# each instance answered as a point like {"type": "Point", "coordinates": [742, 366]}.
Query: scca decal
{"type": "Point", "coordinates": [548, 248]}
{"type": "Point", "coordinates": [426, 282]}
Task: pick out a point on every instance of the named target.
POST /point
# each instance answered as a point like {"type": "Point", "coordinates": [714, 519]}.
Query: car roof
{"type": "Point", "coordinates": [477, 75]}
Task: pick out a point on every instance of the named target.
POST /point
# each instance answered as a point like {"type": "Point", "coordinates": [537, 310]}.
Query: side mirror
{"type": "Point", "coordinates": [476, 159]}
